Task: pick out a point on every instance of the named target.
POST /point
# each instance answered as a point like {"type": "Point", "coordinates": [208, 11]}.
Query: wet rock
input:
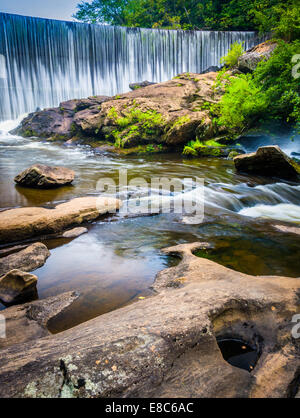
{"type": "Point", "coordinates": [141, 84]}
{"type": "Point", "coordinates": [23, 223]}
{"type": "Point", "coordinates": [268, 161]}
{"type": "Point", "coordinates": [16, 286]}
{"type": "Point", "coordinates": [288, 229]}
{"type": "Point", "coordinates": [169, 338]}
{"type": "Point", "coordinates": [28, 259]}
{"type": "Point", "coordinates": [75, 232]}
{"type": "Point", "coordinates": [45, 177]}
{"type": "Point", "coordinates": [248, 61]}
{"type": "Point", "coordinates": [29, 321]}
{"type": "Point", "coordinates": [57, 123]}
{"type": "Point", "coordinates": [211, 69]}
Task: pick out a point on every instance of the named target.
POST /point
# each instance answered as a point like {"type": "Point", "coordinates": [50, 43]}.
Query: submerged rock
{"type": "Point", "coordinates": [248, 61]}
{"type": "Point", "coordinates": [170, 338]}
{"type": "Point", "coordinates": [45, 177]}
{"type": "Point", "coordinates": [23, 223]}
{"type": "Point", "coordinates": [141, 84]}
{"type": "Point", "coordinates": [28, 259]}
{"type": "Point", "coordinates": [268, 161]}
{"type": "Point", "coordinates": [16, 286]}
{"type": "Point", "coordinates": [75, 232]}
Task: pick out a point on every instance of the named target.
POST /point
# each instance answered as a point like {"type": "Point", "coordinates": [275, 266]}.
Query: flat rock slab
{"type": "Point", "coordinates": [16, 286]}
{"type": "Point", "coordinates": [45, 177]}
{"type": "Point", "coordinates": [166, 345]}
{"type": "Point", "coordinates": [29, 321]}
{"type": "Point", "coordinates": [28, 259]}
{"type": "Point", "coordinates": [268, 161]}
{"type": "Point", "coordinates": [23, 223]}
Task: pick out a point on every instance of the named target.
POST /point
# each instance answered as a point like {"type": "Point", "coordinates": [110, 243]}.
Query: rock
{"type": "Point", "coordinates": [75, 232]}
{"type": "Point", "coordinates": [23, 223]}
{"type": "Point", "coordinates": [248, 61]}
{"type": "Point", "coordinates": [288, 229]}
{"type": "Point", "coordinates": [176, 110]}
{"type": "Point", "coordinates": [56, 123]}
{"type": "Point", "coordinates": [141, 84]}
{"type": "Point", "coordinates": [268, 161]}
{"type": "Point", "coordinates": [16, 286]}
{"type": "Point", "coordinates": [211, 69]}
{"type": "Point", "coordinates": [170, 338]}
{"type": "Point", "coordinates": [45, 177]}
{"type": "Point", "coordinates": [28, 259]}
{"type": "Point", "coordinates": [29, 321]}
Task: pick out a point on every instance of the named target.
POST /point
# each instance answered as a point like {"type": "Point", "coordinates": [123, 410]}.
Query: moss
{"type": "Point", "coordinates": [206, 148]}
{"type": "Point", "coordinates": [182, 120]}
{"type": "Point", "coordinates": [134, 125]}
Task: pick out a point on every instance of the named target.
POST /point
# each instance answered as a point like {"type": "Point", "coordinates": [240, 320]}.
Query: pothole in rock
{"type": "Point", "coordinates": [238, 353]}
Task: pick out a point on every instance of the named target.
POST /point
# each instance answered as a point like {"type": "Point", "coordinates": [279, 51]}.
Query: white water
{"type": "Point", "coordinates": [43, 62]}
{"type": "Point", "coordinates": [282, 212]}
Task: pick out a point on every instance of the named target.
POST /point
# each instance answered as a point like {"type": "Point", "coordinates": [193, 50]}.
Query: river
{"type": "Point", "coordinates": [116, 262]}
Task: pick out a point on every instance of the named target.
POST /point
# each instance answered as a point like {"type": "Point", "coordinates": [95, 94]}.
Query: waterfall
{"type": "Point", "coordinates": [43, 62]}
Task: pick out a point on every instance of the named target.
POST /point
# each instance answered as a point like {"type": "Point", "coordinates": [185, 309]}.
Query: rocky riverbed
{"type": "Point", "coordinates": [92, 264]}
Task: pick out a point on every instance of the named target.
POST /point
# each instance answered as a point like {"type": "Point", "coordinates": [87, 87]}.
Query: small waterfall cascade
{"type": "Point", "coordinates": [43, 62]}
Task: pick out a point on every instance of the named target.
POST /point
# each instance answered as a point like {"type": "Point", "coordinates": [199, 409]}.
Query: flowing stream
{"type": "Point", "coordinates": [116, 262]}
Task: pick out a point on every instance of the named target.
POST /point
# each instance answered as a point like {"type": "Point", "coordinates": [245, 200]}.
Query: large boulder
{"type": "Point", "coordinates": [56, 123]}
{"type": "Point", "coordinates": [169, 113]}
{"type": "Point", "coordinates": [168, 345]}
{"type": "Point", "coordinates": [249, 60]}
{"type": "Point", "coordinates": [23, 223]}
{"type": "Point", "coordinates": [141, 84]}
{"type": "Point", "coordinates": [268, 161]}
{"type": "Point", "coordinates": [16, 286]}
{"type": "Point", "coordinates": [45, 177]}
{"type": "Point", "coordinates": [28, 259]}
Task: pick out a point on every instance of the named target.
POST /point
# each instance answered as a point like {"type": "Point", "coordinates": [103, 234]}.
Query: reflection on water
{"type": "Point", "coordinates": [116, 262]}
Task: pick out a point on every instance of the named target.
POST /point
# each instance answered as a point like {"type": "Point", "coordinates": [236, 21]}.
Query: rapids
{"type": "Point", "coordinates": [116, 262]}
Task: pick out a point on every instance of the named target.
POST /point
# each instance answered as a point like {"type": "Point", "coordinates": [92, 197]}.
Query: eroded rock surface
{"type": "Point", "coordinates": [248, 61]}
{"type": "Point", "coordinates": [28, 259]}
{"type": "Point", "coordinates": [29, 321]}
{"type": "Point", "coordinates": [166, 345]}
{"type": "Point", "coordinates": [23, 223]}
{"type": "Point", "coordinates": [45, 177]}
{"type": "Point", "coordinates": [268, 161]}
{"type": "Point", "coordinates": [16, 286]}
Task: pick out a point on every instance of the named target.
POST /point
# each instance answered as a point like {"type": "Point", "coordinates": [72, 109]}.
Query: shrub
{"type": "Point", "coordinates": [235, 51]}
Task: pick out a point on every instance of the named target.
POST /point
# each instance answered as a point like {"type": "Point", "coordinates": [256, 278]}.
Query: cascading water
{"type": "Point", "coordinates": [43, 62]}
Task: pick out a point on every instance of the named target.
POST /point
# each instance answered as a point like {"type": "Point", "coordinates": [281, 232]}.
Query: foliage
{"type": "Point", "coordinates": [135, 124]}
{"type": "Point", "coordinates": [235, 51]}
{"type": "Point", "coordinates": [193, 147]}
{"type": "Point", "coordinates": [263, 15]}
{"type": "Point", "coordinates": [270, 92]}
